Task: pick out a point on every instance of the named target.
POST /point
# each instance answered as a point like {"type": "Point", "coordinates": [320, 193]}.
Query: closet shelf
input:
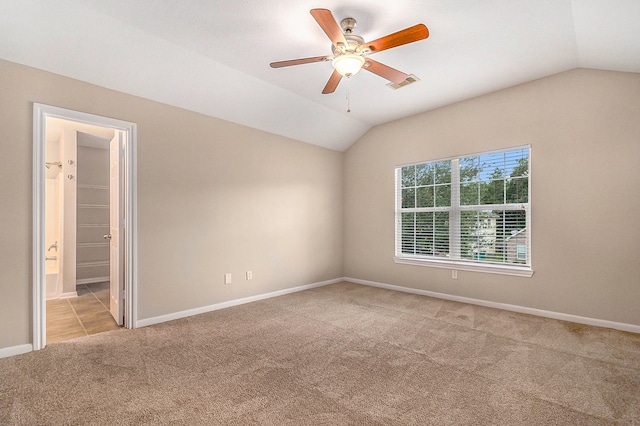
{"type": "Point", "coordinates": [92, 264]}
{"type": "Point", "coordinates": [86, 245]}
{"type": "Point", "coordinates": [87, 186]}
{"type": "Point", "coordinates": [93, 206]}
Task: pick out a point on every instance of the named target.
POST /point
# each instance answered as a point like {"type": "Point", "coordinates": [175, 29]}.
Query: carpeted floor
{"type": "Point", "coordinates": [340, 354]}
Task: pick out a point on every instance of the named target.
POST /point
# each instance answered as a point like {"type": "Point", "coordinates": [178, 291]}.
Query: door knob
{"type": "Point", "coordinates": [107, 236]}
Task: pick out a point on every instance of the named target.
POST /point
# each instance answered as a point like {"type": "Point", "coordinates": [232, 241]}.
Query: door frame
{"type": "Point", "coordinates": [40, 114]}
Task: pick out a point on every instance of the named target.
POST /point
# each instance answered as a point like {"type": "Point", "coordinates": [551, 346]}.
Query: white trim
{"type": "Point", "coordinates": [632, 328]}
{"type": "Point", "coordinates": [131, 243]}
{"type": "Point", "coordinates": [517, 271]}
{"type": "Point", "coordinates": [68, 295]}
{"type": "Point", "coordinates": [40, 113]}
{"type": "Point", "coordinates": [230, 303]}
{"type": "Point", "coordinates": [15, 350]}
{"type": "Point", "coordinates": [38, 267]}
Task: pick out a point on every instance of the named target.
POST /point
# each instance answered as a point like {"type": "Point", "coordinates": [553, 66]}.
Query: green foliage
{"type": "Point", "coordinates": [517, 190]}
{"type": "Point", "coordinates": [483, 233]}
{"type": "Point", "coordinates": [426, 185]}
{"type": "Point", "coordinates": [425, 233]}
{"type": "Point", "coordinates": [497, 188]}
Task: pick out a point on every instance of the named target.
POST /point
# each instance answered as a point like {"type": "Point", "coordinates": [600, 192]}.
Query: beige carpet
{"type": "Point", "coordinates": [340, 354]}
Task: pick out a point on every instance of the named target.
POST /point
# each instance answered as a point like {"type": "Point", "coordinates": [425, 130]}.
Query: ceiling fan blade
{"type": "Point", "coordinates": [329, 25]}
{"type": "Point", "coordinates": [385, 71]}
{"type": "Point", "coordinates": [408, 35]}
{"type": "Point", "coordinates": [332, 84]}
{"type": "Point", "coordinates": [300, 61]}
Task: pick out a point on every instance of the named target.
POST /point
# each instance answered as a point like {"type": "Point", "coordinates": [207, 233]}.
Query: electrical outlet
{"type": "Point", "coordinates": [454, 274]}
{"type": "Point", "coordinates": [249, 275]}
{"type": "Point", "coordinates": [227, 278]}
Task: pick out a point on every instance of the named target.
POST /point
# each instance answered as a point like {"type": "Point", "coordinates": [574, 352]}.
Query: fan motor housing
{"type": "Point", "coordinates": [348, 24]}
{"type": "Point", "coordinates": [354, 42]}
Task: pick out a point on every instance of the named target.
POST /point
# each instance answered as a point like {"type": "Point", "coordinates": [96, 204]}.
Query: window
{"type": "Point", "coordinates": [468, 213]}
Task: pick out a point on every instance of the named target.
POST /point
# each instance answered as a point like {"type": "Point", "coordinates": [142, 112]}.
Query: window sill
{"type": "Point", "coordinates": [518, 271]}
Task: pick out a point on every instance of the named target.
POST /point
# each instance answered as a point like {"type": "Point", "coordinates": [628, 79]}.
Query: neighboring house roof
{"type": "Point", "coordinates": [516, 234]}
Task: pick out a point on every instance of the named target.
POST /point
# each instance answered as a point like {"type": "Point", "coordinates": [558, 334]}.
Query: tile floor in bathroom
{"type": "Point", "coordinates": [80, 316]}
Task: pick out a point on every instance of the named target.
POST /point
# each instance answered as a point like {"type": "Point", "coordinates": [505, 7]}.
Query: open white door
{"type": "Point", "coordinates": [124, 276]}
{"type": "Point", "coordinates": [116, 228]}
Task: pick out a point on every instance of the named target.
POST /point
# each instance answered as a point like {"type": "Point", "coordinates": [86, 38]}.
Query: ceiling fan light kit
{"type": "Point", "coordinates": [350, 50]}
{"type": "Point", "coordinates": [348, 64]}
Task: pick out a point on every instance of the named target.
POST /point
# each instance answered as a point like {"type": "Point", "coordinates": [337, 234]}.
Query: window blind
{"type": "Point", "coordinates": [473, 209]}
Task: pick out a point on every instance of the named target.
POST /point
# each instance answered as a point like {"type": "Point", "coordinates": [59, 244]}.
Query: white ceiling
{"type": "Point", "coordinates": [213, 56]}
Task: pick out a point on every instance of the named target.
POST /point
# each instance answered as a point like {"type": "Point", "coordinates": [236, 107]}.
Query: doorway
{"type": "Point", "coordinates": [112, 256]}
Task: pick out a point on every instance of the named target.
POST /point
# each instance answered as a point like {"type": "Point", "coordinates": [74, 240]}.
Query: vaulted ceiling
{"type": "Point", "coordinates": [213, 56]}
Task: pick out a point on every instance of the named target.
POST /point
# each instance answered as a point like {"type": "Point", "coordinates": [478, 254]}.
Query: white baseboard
{"type": "Point", "coordinates": [182, 314]}
{"type": "Point", "coordinates": [68, 295]}
{"type": "Point", "coordinates": [632, 328]}
{"type": "Point", "coordinates": [15, 350]}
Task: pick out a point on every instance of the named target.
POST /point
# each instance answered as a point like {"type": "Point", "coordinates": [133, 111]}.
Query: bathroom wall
{"type": "Point", "coordinates": [53, 179]}
{"type": "Point", "coordinates": [52, 199]}
{"type": "Point", "coordinates": [68, 194]}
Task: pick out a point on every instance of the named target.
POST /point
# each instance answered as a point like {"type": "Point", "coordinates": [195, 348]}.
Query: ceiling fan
{"type": "Point", "coordinates": [350, 50]}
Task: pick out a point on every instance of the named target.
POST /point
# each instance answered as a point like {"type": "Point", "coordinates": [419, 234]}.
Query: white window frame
{"type": "Point", "coordinates": [455, 262]}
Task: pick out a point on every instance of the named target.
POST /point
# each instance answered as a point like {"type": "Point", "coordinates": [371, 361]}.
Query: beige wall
{"type": "Point", "coordinates": [584, 130]}
{"type": "Point", "coordinates": [213, 197]}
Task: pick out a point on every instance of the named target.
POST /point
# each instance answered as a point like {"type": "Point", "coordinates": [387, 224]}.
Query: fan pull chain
{"type": "Point", "coordinates": [348, 95]}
